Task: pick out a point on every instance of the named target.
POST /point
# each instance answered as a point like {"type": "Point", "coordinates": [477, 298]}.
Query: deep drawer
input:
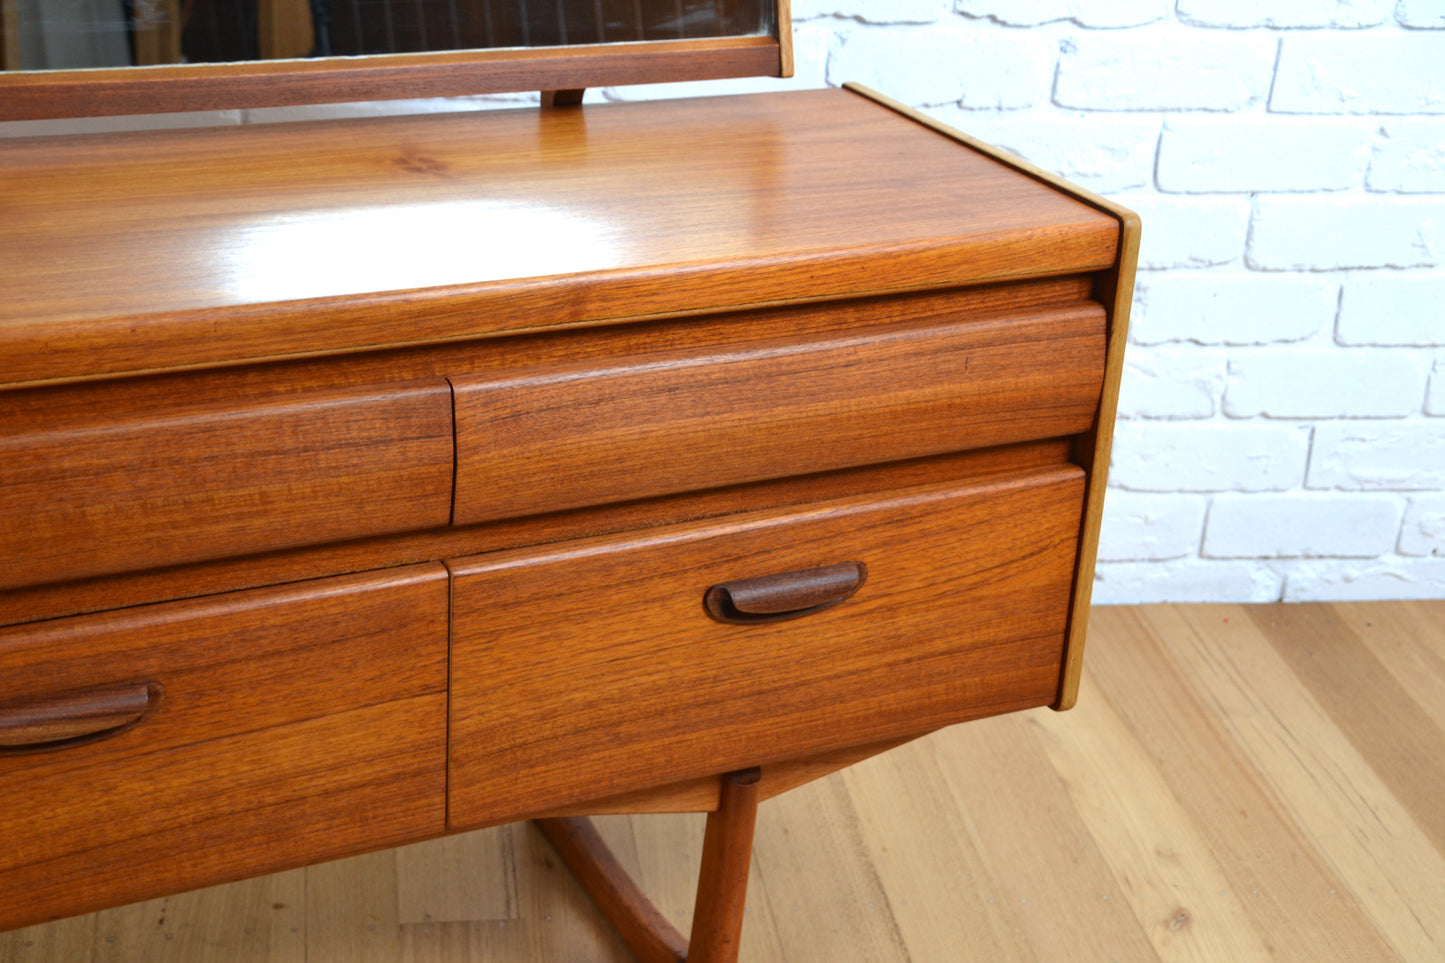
{"type": "Point", "coordinates": [100, 479]}
{"type": "Point", "coordinates": [592, 668]}
{"type": "Point", "coordinates": [286, 725]}
{"type": "Point", "coordinates": [594, 432]}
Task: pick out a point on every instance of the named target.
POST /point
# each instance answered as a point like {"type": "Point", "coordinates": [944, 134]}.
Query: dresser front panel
{"type": "Point", "coordinates": [592, 668]}
{"type": "Point", "coordinates": [544, 380]}
{"type": "Point", "coordinates": [286, 726]}
{"type": "Point", "coordinates": [119, 477]}
{"type": "Point", "coordinates": [587, 433]}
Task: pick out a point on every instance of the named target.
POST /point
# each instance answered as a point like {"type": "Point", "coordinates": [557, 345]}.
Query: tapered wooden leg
{"type": "Point", "coordinates": [722, 885]}
{"type": "Point", "coordinates": [721, 890]}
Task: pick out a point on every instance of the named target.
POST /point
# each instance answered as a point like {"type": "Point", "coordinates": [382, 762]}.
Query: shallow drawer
{"type": "Point", "coordinates": [592, 668]}
{"type": "Point", "coordinates": [235, 735]}
{"type": "Point", "coordinates": [595, 432]}
{"type": "Point", "coordinates": [110, 478]}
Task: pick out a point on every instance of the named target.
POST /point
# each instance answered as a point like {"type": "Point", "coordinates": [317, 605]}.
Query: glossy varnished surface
{"type": "Point", "coordinates": [590, 667]}
{"type": "Point", "coordinates": [291, 724]}
{"type": "Point", "coordinates": [507, 249]}
{"type": "Point", "coordinates": [224, 575]}
{"type": "Point", "coordinates": [665, 422]}
{"type": "Point", "coordinates": [121, 476]}
{"type": "Point", "coordinates": [270, 83]}
{"type": "Point", "coordinates": [1237, 784]}
{"type": "Point", "coordinates": [132, 252]}
{"type": "Point", "coordinates": [1116, 290]}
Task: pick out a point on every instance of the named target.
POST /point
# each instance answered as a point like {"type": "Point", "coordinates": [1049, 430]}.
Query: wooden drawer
{"type": "Point", "coordinates": [591, 668]}
{"type": "Point", "coordinates": [286, 725]}
{"type": "Point", "coordinates": [594, 432]}
{"type": "Point", "coordinates": [108, 478]}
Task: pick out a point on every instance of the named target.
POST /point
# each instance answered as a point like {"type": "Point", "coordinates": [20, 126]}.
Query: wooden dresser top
{"type": "Point", "coordinates": [165, 249]}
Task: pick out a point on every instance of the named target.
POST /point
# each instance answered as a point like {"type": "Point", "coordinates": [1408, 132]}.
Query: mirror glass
{"type": "Point", "coordinates": [77, 34]}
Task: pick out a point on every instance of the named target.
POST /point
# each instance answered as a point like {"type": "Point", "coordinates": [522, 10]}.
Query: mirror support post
{"type": "Point", "coordinates": [563, 98]}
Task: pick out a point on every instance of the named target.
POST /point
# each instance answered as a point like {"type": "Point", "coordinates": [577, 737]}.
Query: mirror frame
{"type": "Point", "coordinates": [41, 94]}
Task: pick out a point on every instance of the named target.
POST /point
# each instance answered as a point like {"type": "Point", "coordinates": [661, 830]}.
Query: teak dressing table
{"type": "Point", "coordinates": [365, 481]}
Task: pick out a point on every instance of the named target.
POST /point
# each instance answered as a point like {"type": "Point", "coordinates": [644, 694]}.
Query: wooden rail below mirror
{"type": "Point", "coordinates": [161, 82]}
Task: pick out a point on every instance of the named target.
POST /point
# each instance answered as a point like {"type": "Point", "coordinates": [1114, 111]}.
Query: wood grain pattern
{"type": "Point", "coordinates": [768, 350]}
{"type": "Point", "coordinates": [722, 889]}
{"type": "Point", "coordinates": [708, 330]}
{"type": "Point", "coordinates": [1403, 637]}
{"type": "Point", "coordinates": [1030, 837]}
{"type": "Point", "coordinates": [136, 252]}
{"type": "Point", "coordinates": [1293, 899]}
{"type": "Point", "coordinates": [110, 477]}
{"type": "Point", "coordinates": [312, 714]}
{"type": "Point", "coordinates": [702, 794]}
{"type": "Point", "coordinates": [1372, 708]}
{"type": "Point", "coordinates": [673, 422]}
{"type": "Point", "coordinates": [1259, 663]}
{"type": "Point", "coordinates": [1115, 289]}
{"type": "Point", "coordinates": [234, 86]}
{"type": "Point", "coordinates": [564, 660]}
{"type": "Point", "coordinates": [227, 575]}
{"type": "Point", "coordinates": [785, 37]}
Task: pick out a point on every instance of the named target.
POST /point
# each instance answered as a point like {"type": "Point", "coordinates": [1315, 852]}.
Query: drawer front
{"type": "Point", "coordinates": [285, 726]}
{"type": "Point", "coordinates": [592, 433]}
{"type": "Point", "coordinates": [103, 480]}
{"type": "Point", "coordinates": [593, 668]}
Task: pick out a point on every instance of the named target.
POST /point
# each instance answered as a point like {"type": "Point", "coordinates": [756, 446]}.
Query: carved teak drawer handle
{"type": "Point", "coordinates": [787, 595]}
{"type": "Point", "coordinates": [54, 722]}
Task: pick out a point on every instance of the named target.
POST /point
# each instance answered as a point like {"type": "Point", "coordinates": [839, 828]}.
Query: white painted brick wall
{"type": "Point", "coordinates": [1338, 72]}
{"type": "Point", "coordinates": [1250, 154]}
{"type": "Point", "coordinates": [1402, 456]}
{"type": "Point", "coordinates": [1424, 530]}
{"type": "Point", "coordinates": [1085, 13]}
{"type": "Point", "coordinates": [1388, 308]}
{"type": "Point", "coordinates": [1321, 383]}
{"type": "Point", "coordinates": [1378, 579]}
{"type": "Point", "coordinates": [1408, 157]}
{"type": "Point", "coordinates": [1435, 395]}
{"type": "Point", "coordinates": [1176, 69]}
{"type": "Point", "coordinates": [1286, 13]}
{"type": "Point", "coordinates": [873, 12]}
{"type": "Point", "coordinates": [1282, 430]}
{"type": "Point", "coordinates": [1208, 456]}
{"type": "Point", "coordinates": [992, 70]}
{"type": "Point", "coordinates": [1237, 307]}
{"type": "Point", "coordinates": [1293, 233]}
{"type": "Point", "coordinates": [1172, 381]}
{"type": "Point", "coordinates": [1302, 525]}
{"type": "Point", "coordinates": [1152, 527]}
{"type": "Point", "coordinates": [1186, 580]}
{"type": "Point", "coordinates": [1107, 153]}
{"type": "Point", "coordinates": [1421, 14]}
{"type": "Point", "coordinates": [1190, 232]}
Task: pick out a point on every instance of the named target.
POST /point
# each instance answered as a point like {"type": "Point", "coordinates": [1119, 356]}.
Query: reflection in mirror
{"type": "Point", "coordinates": [70, 34]}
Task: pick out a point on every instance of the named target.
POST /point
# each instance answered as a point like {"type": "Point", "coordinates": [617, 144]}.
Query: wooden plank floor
{"type": "Point", "coordinates": [1237, 783]}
